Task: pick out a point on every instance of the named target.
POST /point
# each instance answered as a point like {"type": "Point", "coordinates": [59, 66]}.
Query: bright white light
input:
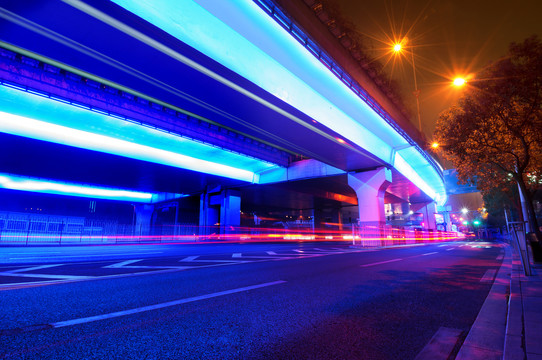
{"type": "Point", "coordinates": [459, 82]}
{"type": "Point", "coordinates": [13, 182]}
{"type": "Point", "coordinates": [28, 115]}
{"type": "Point", "coordinates": [35, 129]}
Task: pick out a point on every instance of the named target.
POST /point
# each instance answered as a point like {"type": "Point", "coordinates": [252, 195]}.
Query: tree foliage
{"type": "Point", "coordinates": [494, 132]}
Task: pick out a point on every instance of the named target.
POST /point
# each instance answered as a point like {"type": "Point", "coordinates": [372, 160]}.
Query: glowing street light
{"type": "Point", "coordinates": [464, 211]}
{"type": "Point", "coordinates": [459, 81]}
{"type": "Point", "coordinates": [435, 145]}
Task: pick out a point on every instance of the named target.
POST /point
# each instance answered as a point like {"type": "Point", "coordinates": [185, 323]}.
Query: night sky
{"type": "Point", "coordinates": [449, 37]}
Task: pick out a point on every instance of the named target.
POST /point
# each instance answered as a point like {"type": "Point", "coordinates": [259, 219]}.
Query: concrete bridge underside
{"type": "Point", "coordinates": [113, 73]}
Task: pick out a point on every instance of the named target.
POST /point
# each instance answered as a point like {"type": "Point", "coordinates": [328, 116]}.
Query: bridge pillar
{"type": "Point", "coordinates": [428, 212]}
{"type": "Point", "coordinates": [143, 218]}
{"type": "Point", "coordinates": [230, 212]}
{"type": "Point", "coordinates": [220, 212]}
{"type": "Point", "coordinates": [370, 187]}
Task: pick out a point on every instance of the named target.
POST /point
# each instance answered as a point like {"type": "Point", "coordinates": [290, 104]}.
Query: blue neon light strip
{"type": "Point", "coordinates": [29, 115]}
{"type": "Point", "coordinates": [13, 182]}
{"type": "Point", "coordinates": [250, 43]}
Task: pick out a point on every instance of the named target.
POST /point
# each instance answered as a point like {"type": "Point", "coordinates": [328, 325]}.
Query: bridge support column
{"type": "Point", "coordinates": [220, 212]}
{"type": "Point", "coordinates": [143, 218]}
{"type": "Point", "coordinates": [428, 212]}
{"type": "Point", "coordinates": [230, 212]}
{"type": "Point", "coordinates": [370, 187]}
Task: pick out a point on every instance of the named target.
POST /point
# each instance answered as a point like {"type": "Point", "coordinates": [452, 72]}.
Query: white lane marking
{"type": "Point", "coordinates": [271, 253]}
{"type": "Point", "coordinates": [430, 253]}
{"type": "Point", "coordinates": [85, 255]}
{"type": "Point", "coordinates": [157, 267]}
{"type": "Point", "coordinates": [500, 257]}
{"type": "Point", "coordinates": [161, 306]}
{"type": "Point", "coordinates": [126, 265]}
{"type": "Point", "coordinates": [34, 268]}
{"type": "Point", "coordinates": [189, 258]}
{"type": "Point", "coordinates": [225, 262]}
{"type": "Point", "coordinates": [47, 276]}
{"type": "Point", "coordinates": [33, 253]}
{"type": "Point", "coordinates": [237, 255]}
{"type": "Point", "coordinates": [450, 249]}
{"type": "Point", "coordinates": [488, 276]}
{"type": "Point", "coordinates": [306, 252]}
{"type": "Point", "coordinates": [381, 262]}
{"type": "Point", "coordinates": [121, 264]}
{"type": "Point", "coordinates": [442, 245]}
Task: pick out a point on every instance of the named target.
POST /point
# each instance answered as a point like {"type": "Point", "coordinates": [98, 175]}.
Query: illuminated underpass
{"type": "Point", "coordinates": [224, 109]}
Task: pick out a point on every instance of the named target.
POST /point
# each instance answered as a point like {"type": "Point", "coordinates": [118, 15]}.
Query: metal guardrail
{"type": "Point", "coordinates": [109, 233]}
{"type": "Point", "coordinates": [385, 235]}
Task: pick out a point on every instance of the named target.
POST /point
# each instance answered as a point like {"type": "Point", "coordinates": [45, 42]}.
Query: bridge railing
{"type": "Point", "coordinates": [385, 235]}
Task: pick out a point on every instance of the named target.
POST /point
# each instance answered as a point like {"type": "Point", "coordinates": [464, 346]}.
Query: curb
{"type": "Point", "coordinates": [513, 345]}
{"type": "Point", "coordinates": [486, 338]}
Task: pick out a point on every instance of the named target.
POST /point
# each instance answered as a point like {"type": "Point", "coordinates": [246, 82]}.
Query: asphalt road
{"type": "Point", "coordinates": [259, 301]}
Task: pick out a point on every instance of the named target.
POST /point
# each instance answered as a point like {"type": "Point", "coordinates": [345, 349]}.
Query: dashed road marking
{"type": "Point", "coordinates": [333, 251]}
{"type": "Point", "coordinates": [381, 262]}
{"type": "Point", "coordinates": [189, 258]}
{"type": "Point", "coordinates": [34, 268]}
{"type": "Point", "coordinates": [133, 269]}
{"type": "Point", "coordinates": [48, 276]}
{"type": "Point", "coordinates": [430, 253]}
{"type": "Point", "coordinates": [161, 306]}
{"type": "Point", "coordinates": [127, 265]}
{"type": "Point", "coordinates": [121, 264]}
{"type": "Point", "coordinates": [225, 261]}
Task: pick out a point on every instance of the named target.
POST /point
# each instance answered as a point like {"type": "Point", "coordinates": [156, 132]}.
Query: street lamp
{"type": "Point", "coordinates": [459, 82]}
{"type": "Point", "coordinates": [398, 48]}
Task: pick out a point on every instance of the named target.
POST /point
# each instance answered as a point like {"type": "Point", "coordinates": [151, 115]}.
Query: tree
{"type": "Point", "coordinates": [494, 132]}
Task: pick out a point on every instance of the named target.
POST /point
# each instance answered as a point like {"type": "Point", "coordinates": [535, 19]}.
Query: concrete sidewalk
{"type": "Point", "coordinates": [509, 324]}
{"type": "Point", "coordinates": [524, 328]}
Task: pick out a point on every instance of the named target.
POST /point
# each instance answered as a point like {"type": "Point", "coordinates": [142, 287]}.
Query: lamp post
{"type": "Point", "coordinates": [398, 48]}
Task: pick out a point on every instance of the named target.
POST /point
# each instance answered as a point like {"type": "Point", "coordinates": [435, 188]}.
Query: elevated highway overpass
{"type": "Point", "coordinates": [233, 102]}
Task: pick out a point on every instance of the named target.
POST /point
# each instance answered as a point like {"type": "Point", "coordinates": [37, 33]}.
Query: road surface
{"type": "Point", "coordinates": [239, 301]}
